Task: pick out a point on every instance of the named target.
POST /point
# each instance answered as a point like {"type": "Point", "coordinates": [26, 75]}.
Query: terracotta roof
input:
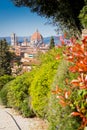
{"type": "Point", "coordinates": [36, 36]}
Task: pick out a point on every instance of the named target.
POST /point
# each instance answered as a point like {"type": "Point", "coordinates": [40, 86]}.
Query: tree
{"type": "Point", "coordinates": [52, 43]}
{"type": "Point", "coordinates": [63, 12]}
{"type": "Point", "coordinates": [5, 58]}
{"type": "Point", "coordinates": [83, 15]}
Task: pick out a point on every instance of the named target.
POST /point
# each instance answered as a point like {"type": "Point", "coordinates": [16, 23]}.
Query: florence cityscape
{"type": "Point", "coordinates": [43, 64]}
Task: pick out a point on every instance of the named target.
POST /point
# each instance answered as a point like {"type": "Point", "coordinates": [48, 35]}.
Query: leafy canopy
{"type": "Point", "coordinates": [83, 15]}
{"type": "Point", "coordinates": [63, 12]}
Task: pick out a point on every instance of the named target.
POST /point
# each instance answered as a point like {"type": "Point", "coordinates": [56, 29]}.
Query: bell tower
{"type": "Point", "coordinates": [13, 39]}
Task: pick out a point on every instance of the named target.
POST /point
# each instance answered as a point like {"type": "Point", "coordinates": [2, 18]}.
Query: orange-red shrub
{"type": "Point", "coordinates": [77, 55]}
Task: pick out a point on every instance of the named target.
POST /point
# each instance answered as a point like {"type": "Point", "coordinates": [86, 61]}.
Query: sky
{"type": "Point", "coordinates": [22, 21]}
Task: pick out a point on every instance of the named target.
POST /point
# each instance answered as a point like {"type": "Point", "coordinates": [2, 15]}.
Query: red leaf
{"type": "Point", "coordinates": [58, 90]}
{"type": "Point", "coordinates": [73, 69]}
{"type": "Point", "coordinates": [70, 58]}
{"type": "Point", "coordinates": [67, 94]}
{"type": "Point", "coordinates": [60, 97]}
{"type": "Point", "coordinates": [75, 82]}
{"type": "Point", "coordinates": [63, 103]}
{"type": "Point", "coordinates": [54, 92]}
{"type": "Point", "coordinates": [58, 57]}
{"type": "Point", "coordinates": [75, 114]}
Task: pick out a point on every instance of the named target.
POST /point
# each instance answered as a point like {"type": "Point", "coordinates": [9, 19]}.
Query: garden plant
{"type": "Point", "coordinates": [75, 97]}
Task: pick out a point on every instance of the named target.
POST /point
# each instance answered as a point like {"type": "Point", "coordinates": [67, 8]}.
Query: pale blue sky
{"type": "Point", "coordinates": [21, 21]}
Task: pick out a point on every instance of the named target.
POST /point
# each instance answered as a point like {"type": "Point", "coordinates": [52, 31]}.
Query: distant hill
{"type": "Point", "coordinates": [21, 39]}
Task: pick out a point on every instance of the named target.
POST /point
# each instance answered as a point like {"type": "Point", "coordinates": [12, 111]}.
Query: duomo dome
{"type": "Point", "coordinates": [36, 39]}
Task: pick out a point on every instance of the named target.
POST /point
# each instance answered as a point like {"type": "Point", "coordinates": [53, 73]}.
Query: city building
{"type": "Point", "coordinates": [27, 51]}
{"type": "Point", "coordinates": [36, 39]}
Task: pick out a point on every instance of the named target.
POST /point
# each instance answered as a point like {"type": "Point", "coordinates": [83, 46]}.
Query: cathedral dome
{"type": "Point", "coordinates": [36, 36]}
{"type": "Point", "coordinates": [36, 39]}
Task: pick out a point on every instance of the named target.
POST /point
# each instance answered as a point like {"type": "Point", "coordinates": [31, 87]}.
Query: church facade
{"type": "Point", "coordinates": [36, 40]}
{"type": "Point", "coordinates": [34, 45]}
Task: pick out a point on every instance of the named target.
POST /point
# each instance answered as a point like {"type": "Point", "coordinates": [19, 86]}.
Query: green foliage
{"type": "Point", "coordinates": [3, 94]}
{"type": "Point", "coordinates": [5, 58]}
{"type": "Point", "coordinates": [31, 90]}
{"type": "Point", "coordinates": [63, 12]}
{"type": "Point", "coordinates": [51, 55]}
{"type": "Point", "coordinates": [41, 84]}
{"type": "Point", "coordinates": [4, 80]}
{"type": "Point", "coordinates": [15, 94]}
{"type": "Point", "coordinates": [59, 117]}
{"type": "Point", "coordinates": [83, 16]}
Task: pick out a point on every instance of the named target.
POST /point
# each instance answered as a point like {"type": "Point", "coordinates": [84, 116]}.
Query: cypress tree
{"type": "Point", "coordinates": [5, 58]}
{"type": "Point", "coordinates": [52, 43]}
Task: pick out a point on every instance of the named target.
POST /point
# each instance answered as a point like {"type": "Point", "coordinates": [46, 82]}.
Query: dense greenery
{"type": "Point", "coordinates": [57, 115]}
{"type": "Point", "coordinates": [15, 94]}
{"type": "Point", "coordinates": [18, 96]}
{"type": "Point", "coordinates": [83, 15]}
{"type": "Point", "coordinates": [31, 91]}
{"type": "Point", "coordinates": [4, 80]}
{"type": "Point", "coordinates": [5, 58]}
{"type": "Point", "coordinates": [63, 12]}
{"type": "Point", "coordinates": [41, 85]}
{"type": "Point", "coordinates": [3, 94]}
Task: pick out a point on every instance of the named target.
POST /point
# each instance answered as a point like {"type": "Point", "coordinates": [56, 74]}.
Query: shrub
{"type": "Point", "coordinates": [5, 79]}
{"type": "Point", "coordinates": [58, 117]}
{"type": "Point", "coordinates": [3, 94]}
{"type": "Point", "coordinates": [75, 96]}
{"type": "Point", "coordinates": [41, 84]}
{"type": "Point", "coordinates": [18, 97]}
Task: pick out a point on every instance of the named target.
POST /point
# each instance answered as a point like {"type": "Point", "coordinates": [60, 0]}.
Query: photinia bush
{"type": "Point", "coordinates": [76, 96]}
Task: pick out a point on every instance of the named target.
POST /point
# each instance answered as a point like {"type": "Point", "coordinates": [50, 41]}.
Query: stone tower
{"type": "Point", "coordinates": [13, 39]}
{"type": "Point", "coordinates": [25, 42]}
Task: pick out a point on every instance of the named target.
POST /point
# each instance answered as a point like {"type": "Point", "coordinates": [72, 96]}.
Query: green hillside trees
{"type": "Point", "coordinates": [52, 43]}
{"type": "Point", "coordinates": [5, 58]}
